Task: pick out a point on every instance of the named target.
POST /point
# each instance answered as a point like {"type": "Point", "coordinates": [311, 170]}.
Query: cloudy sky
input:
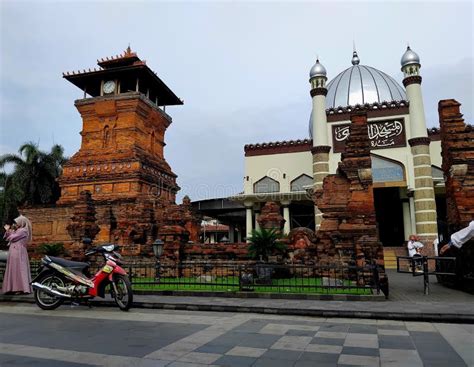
{"type": "Point", "coordinates": [241, 68]}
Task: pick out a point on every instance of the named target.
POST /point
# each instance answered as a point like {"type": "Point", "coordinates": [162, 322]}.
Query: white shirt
{"type": "Point", "coordinates": [413, 246]}
{"type": "Point", "coordinates": [459, 238]}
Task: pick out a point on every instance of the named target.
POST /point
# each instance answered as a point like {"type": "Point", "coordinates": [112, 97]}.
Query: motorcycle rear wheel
{"type": "Point", "coordinates": [43, 299]}
{"type": "Point", "coordinates": [122, 292]}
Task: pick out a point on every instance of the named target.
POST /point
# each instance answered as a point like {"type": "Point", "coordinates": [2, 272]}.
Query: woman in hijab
{"type": "Point", "coordinates": [17, 276]}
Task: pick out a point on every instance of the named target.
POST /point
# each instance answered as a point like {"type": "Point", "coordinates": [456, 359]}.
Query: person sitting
{"type": "Point", "coordinates": [459, 238]}
{"type": "Point", "coordinates": [414, 250]}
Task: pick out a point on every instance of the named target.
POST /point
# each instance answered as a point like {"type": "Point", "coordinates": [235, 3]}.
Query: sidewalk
{"type": "Point", "coordinates": [407, 302]}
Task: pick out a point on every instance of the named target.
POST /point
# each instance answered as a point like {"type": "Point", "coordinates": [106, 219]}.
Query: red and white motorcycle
{"type": "Point", "coordinates": [59, 280]}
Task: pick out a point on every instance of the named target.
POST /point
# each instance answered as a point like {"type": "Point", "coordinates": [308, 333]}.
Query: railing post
{"type": "Point", "coordinates": [426, 276]}
{"type": "Point", "coordinates": [240, 278]}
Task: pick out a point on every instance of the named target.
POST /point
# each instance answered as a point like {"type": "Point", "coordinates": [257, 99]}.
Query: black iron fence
{"type": "Point", "coordinates": [425, 266]}
{"type": "Point", "coordinates": [250, 277]}
{"type": "Point", "coordinates": [258, 277]}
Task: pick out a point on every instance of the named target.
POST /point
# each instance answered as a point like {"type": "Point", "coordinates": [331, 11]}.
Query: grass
{"type": "Point", "coordinates": [231, 284]}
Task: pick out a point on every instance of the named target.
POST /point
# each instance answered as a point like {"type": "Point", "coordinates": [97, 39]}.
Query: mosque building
{"type": "Point", "coordinates": [406, 156]}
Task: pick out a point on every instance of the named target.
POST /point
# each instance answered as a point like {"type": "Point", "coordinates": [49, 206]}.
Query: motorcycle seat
{"type": "Point", "coordinates": [69, 264]}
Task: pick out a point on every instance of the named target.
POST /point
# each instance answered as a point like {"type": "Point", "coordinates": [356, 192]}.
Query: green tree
{"type": "Point", "coordinates": [265, 242]}
{"type": "Point", "coordinates": [10, 195]}
{"type": "Point", "coordinates": [34, 177]}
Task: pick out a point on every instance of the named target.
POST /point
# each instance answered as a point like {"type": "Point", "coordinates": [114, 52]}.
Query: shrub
{"type": "Point", "coordinates": [52, 249]}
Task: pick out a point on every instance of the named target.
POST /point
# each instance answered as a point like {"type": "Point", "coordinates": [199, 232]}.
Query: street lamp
{"type": "Point", "coordinates": [158, 251]}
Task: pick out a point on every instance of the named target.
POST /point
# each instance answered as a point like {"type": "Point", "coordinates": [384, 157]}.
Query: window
{"type": "Point", "coordinates": [300, 183]}
{"type": "Point", "coordinates": [265, 185]}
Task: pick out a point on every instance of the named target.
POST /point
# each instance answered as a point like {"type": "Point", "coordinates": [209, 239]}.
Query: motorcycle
{"type": "Point", "coordinates": [59, 280]}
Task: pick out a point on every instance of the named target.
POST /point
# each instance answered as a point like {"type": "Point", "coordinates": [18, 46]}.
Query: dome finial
{"type": "Point", "coordinates": [317, 69]}
{"type": "Point", "coordinates": [409, 57]}
{"type": "Point", "coordinates": [355, 57]}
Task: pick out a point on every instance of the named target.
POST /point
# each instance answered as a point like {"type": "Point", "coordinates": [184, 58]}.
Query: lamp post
{"type": "Point", "coordinates": [158, 251]}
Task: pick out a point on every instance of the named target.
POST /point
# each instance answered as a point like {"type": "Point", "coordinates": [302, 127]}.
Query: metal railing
{"type": "Point", "coordinates": [421, 265]}
{"type": "Point", "coordinates": [276, 278]}
{"type": "Point", "coordinates": [248, 277]}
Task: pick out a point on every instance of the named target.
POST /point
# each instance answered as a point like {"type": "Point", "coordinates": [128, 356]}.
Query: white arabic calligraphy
{"type": "Point", "coordinates": [381, 134]}
{"type": "Point", "coordinates": [341, 133]}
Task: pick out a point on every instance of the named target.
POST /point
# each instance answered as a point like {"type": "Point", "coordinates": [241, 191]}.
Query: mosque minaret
{"type": "Point", "coordinates": [424, 195]}
{"type": "Point", "coordinates": [321, 147]}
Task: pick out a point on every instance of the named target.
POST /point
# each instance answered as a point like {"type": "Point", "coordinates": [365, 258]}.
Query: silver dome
{"type": "Point", "coordinates": [410, 57]}
{"type": "Point", "coordinates": [362, 84]}
{"type": "Point", "coordinates": [317, 70]}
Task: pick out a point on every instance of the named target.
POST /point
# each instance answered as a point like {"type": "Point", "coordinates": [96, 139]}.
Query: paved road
{"type": "Point", "coordinates": [80, 337]}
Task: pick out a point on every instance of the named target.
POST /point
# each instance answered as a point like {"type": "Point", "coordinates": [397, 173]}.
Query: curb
{"type": "Point", "coordinates": [258, 295]}
{"type": "Point", "coordinates": [399, 316]}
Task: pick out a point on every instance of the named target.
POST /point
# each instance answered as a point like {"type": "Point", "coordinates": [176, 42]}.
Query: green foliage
{"type": "Point", "coordinates": [265, 242]}
{"type": "Point", "coordinates": [52, 249]}
{"type": "Point", "coordinates": [33, 180]}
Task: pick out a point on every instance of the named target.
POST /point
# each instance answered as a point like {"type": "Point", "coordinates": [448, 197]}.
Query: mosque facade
{"type": "Point", "coordinates": [406, 156]}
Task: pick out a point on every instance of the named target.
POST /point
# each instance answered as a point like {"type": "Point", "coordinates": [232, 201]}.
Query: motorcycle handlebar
{"type": "Point", "coordinates": [101, 250]}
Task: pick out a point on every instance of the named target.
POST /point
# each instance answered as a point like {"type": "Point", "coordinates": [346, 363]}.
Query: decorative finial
{"type": "Point", "coordinates": [128, 50]}
{"type": "Point", "coordinates": [355, 57]}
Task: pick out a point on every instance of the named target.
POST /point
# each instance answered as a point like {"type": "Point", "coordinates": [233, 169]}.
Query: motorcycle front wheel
{"type": "Point", "coordinates": [122, 292]}
{"type": "Point", "coordinates": [44, 300]}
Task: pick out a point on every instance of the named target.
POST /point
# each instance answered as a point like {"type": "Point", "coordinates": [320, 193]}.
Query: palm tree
{"type": "Point", "coordinates": [9, 197]}
{"type": "Point", "coordinates": [35, 173]}
{"type": "Point", "coordinates": [265, 242]}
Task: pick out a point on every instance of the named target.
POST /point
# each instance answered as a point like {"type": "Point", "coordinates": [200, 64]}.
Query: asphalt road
{"type": "Point", "coordinates": [79, 337]}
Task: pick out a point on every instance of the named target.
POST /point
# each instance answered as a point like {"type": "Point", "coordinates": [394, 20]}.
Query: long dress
{"type": "Point", "coordinates": [17, 277]}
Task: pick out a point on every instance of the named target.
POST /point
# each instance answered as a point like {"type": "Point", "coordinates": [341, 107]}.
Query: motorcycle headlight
{"type": "Point", "coordinates": [108, 248]}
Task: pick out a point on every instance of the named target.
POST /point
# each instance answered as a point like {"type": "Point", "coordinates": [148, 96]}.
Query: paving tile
{"type": "Point", "coordinates": [253, 340]}
{"type": "Point", "coordinates": [362, 329]}
{"type": "Point", "coordinates": [279, 354]}
{"type": "Point", "coordinates": [196, 357]}
{"type": "Point", "coordinates": [399, 358]}
{"type": "Point", "coordinates": [420, 326]}
{"type": "Point", "coordinates": [343, 328]}
{"type": "Point", "coordinates": [211, 348]}
{"type": "Point", "coordinates": [362, 340]}
{"type": "Point", "coordinates": [327, 341]}
{"type": "Point", "coordinates": [268, 362]}
{"type": "Point", "coordinates": [396, 342]}
{"type": "Point", "coordinates": [322, 348]}
{"type": "Point", "coordinates": [293, 332]}
{"type": "Point", "coordinates": [331, 334]}
{"type": "Point", "coordinates": [292, 342]}
{"type": "Point", "coordinates": [358, 351]}
{"type": "Point", "coordinates": [246, 352]}
{"type": "Point", "coordinates": [435, 350]}
{"type": "Point", "coordinates": [235, 361]}
{"type": "Point", "coordinates": [358, 360]}
{"type": "Point", "coordinates": [393, 332]}
{"type": "Point", "coordinates": [319, 357]}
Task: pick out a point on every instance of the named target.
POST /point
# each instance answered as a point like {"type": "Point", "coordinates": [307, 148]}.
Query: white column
{"type": "Point", "coordinates": [417, 111]}
{"type": "Point", "coordinates": [286, 217]}
{"type": "Point", "coordinates": [319, 121]}
{"type": "Point", "coordinates": [257, 225]}
{"type": "Point", "coordinates": [406, 220]}
{"type": "Point", "coordinates": [412, 214]}
{"type": "Point", "coordinates": [231, 233]}
{"type": "Point", "coordinates": [249, 222]}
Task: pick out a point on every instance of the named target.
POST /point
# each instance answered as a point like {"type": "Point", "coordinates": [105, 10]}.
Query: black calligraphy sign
{"type": "Point", "coordinates": [382, 134]}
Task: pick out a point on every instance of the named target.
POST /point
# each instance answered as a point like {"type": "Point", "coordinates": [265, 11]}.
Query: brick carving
{"type": "Point", "coordinates": [270, 216]}
{"type": "Point", "coordinates": [348, 232]}
{"type": "Point", "coordinates": [83, 225]}
{"type": "Point", "coordinates": [457, 143]}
